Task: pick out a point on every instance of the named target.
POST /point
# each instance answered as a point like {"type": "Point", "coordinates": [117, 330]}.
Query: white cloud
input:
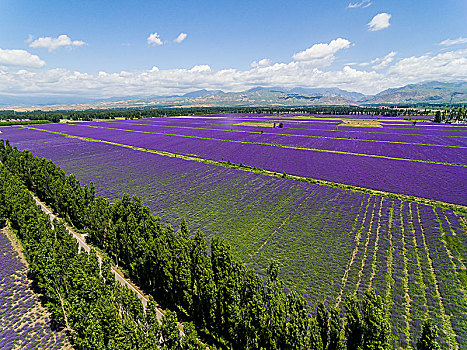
{"type": "Point", "coordinates": [447, 66]}
{"type": "Point", "coordinates": [383, 62]}
{"type": "Point", "coordinates": [457, 41]}
{"type": "Point", "coordinates": [52, 44]}
{"type": "Point", "coordinates": [261, 63]}
{"type": "Point", "coordinates": [180, 37]}
{"type": "Point", "coordinates": [201, 68]}
{"type": "Point", "coordinates": [363, 4]}
{"type": "Point", "coordinates": [29, 39]}
{"type": "Point", "coordinates": [20, 58]}
{"type": "Point", "coordinates": [380, 21]}
{"type": "Point", "coordinates": [154, 39]}
{"type": "Point", "coordinates": [321, 55]}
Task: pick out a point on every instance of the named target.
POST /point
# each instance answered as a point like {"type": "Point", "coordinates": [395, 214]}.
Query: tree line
{"type": "Point", "coordinates": [228, 303]}
{"type": "Point", "coordinates": [79, 293]}
{"type": "Point", "coordinates": [133, 113]}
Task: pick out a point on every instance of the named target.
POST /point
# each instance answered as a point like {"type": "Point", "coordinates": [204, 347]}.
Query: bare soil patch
{"type": "Point", "coordinates": [261, 124]}
{"type": "Point", "coordinates": [367, 123]}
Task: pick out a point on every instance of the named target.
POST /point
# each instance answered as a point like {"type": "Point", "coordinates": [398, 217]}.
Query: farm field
{"type": "Point", "coordinates": [329, 241]}
{"type": "Point", "coordinates": [427, 160]}
{"type": "Point", "coordinates": [25, 323]}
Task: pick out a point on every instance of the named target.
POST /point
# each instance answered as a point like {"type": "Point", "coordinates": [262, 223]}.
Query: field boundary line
{"type": "Point", "coordinates": [367, 190]}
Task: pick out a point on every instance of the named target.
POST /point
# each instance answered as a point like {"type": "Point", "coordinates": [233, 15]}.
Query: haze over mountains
{"type": "Point", "coordinates": [423, 93]}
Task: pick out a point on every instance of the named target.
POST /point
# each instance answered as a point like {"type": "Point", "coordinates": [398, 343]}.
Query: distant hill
{"type": "Point", "coordinates": [202, 93]}
{"type": "Point", "coordinates": [427, 92]}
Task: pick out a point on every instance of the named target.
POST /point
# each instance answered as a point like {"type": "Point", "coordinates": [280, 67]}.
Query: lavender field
{"type": "Point", "coordinates": [25, 323]}
{"type": "Point", "coordinates": [425, 160]}
{"type": "Point", "coordinates": [329, 241]}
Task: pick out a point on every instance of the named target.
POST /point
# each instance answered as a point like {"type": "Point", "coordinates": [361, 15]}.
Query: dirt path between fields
{"type": "Point", "coordinates": [83, 245]}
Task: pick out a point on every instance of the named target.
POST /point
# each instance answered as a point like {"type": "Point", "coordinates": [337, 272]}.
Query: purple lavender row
{"type": "Point", "coordinates": [431, 153]}
{"type": "Point", "coordinates": [327, 124]}
{"type": "Point", "coordinates": [350, 116]}
{"type": "Point", "coordinates": [300, 122]}
{"type": "Point", "coordinates": [24, 322]}
{"type": "Point", "coordinates": [376, 134]}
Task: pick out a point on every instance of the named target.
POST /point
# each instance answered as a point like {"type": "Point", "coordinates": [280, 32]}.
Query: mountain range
{"type": "Point", "coordinates": [432, 92]}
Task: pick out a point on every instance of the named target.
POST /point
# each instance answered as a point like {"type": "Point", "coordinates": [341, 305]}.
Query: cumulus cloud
{"type": "Point", "coordinates": [449, 42]}
{"type": "Point", "coordinates": [363, 4]}
{"type": "Point", "coordinates": [261, 63]}
{"type": "Point", "coordinates": [443, 66]}
{"type": "Point", "coordinates": [383, 62]}
{"type": "Point", "coordinates": [180, 37]}
{"type": "Point", "coordinates": [154, 39]}
{"type": "Point", "coordinates": [52, 44]}
{"type": "Point", "coordinates": [201, 68]}
{"type": "Point", "coordinates": [20, 58]}
{"type": "Point", "coordinates": [171, 81]}
{"type": "Point", "coordinates": [321, 55]}
{"type": "Point", "coordinates": [446, 66]}
{"type": "Point", "coordinates": [380, 21]}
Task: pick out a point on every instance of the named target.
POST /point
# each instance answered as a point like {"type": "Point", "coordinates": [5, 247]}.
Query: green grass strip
{"type": "Point", "coordinates": [421, 200]}
{"type": "Point", "coordinates": [282, 146]}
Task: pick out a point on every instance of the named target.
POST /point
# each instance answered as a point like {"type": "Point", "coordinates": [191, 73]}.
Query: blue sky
{"type": "Point", "coordinates": [104, 48]}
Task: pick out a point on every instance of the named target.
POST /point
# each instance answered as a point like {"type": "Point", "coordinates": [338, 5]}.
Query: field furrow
{"type": "Point", "coordinates": [365, 267]}
{"type": "Point", "coordinates": [375, 249]}
{"type": "Point", "coordinates": [361, 216]}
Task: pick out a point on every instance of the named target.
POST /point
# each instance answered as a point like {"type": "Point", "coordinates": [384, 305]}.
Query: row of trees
{"type": "Point", "coordinates": [224, 299]}
{"type": "Point", "coordinates": [82, 295]}
{"type": "Point", "coordinates": [450, 115]}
